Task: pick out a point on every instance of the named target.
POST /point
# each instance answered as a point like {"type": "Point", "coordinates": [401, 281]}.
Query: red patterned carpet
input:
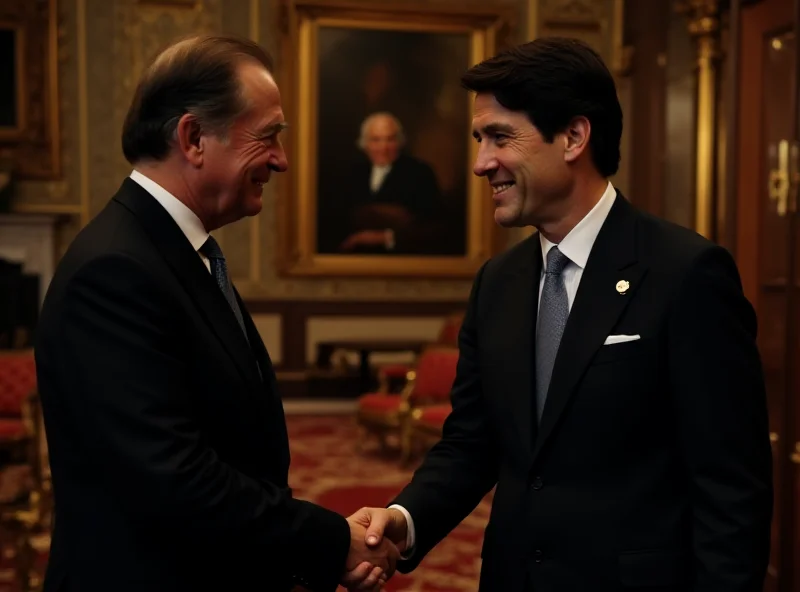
{"type": "Point", "coordinates": [327, 469]}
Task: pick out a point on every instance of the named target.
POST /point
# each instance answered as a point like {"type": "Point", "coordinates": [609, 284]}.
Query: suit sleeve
{"type": "Point", "coordinates": [462, 467]}
{"type": "Point", "coordinates": [123, 353]}
{"type": "Point", "coordinates": [718, 386]}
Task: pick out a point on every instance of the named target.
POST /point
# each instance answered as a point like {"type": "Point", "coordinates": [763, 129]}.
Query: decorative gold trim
{"type": "Point", "coordinates": [297, 211]}
{"type": "Point", "coordinates": [706, 133]}
{"type": "Point", "coordinates": [35, 142]}
{"type": "Point", "coordinates": [48, 208]}
{"type": "Point", "coordinates": [532, 28]}
{"type": "Point", "coordinates": [704, 26]}
{"type": "Point", "coordinates": [83, 113]}
{"type": "Point", "coordinates": [255, 221]}
{"type": "Point", "coordinates": [181, 4]}
{"type": "Point", "coordinates": [621, 54]}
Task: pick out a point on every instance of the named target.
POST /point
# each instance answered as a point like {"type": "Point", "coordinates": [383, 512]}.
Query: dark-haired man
{"type": "Point", "coordinates": [166, 433]}
{"type": "Point", "coordinates": [609, 383]}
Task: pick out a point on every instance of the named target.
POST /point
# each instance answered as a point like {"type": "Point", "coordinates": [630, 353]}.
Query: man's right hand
{"type": "Point", "coordinates": [382, 524]}
{"type": "Point", "coordinates": [368, 566]}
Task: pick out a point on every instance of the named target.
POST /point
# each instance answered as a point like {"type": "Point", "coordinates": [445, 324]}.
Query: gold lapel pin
{"type": "Point", "coordinates": [622, 286]}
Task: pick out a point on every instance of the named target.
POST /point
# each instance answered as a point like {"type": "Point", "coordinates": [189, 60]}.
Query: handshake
{"type": "Point", "coordinates": [377, 539]}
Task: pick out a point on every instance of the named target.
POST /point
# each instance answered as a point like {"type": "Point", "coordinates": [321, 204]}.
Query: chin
{"type": "Point", "coordinates": [253, 209]}
{"type": "Point", "coordinates": [506, 217]}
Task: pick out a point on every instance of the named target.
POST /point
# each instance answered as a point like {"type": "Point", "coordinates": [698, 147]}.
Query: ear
{"type": "Point", "coordinates": [190, 139]}
{"type": "Point", "coordinates": [576, 138]}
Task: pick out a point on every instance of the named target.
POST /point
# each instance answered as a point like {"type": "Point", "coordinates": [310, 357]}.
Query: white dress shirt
{"type": "Point", "coordinates": [576, 246]}
{"type": "Point", "coordinates": [185, 218]}
{"type": "Point", "coordinates": [377, 176]}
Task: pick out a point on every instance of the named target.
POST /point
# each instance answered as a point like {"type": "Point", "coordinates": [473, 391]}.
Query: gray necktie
{"type": "Point", "coordinates": [553, 313]}
{"type": "Point", "coordinates": [220, 272]}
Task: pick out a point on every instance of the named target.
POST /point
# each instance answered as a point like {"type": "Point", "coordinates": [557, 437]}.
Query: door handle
{"type": "Point", "coordinates": [795, 456]}
{"type": "Point", "coordinates": [779, 180]}
{"type": "Point", "coordinates": [783, 181]}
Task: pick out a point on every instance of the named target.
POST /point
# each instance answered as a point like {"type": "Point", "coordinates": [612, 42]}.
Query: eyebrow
{"type": "Point", "coordinates": [274, 128]}
{"type": "Point", "coordinates": [493, 128]}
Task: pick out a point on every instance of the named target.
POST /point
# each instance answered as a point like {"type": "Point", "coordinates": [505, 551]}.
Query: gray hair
{"type": "Point", "coordinates": [362, 138]}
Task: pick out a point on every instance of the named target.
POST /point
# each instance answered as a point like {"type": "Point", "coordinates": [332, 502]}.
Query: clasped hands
{"type": "Point", "coordinates": [377, 538]}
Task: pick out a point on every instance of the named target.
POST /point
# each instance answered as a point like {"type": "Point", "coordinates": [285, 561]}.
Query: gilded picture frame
{"type": "Point", "coordinates": [29, 45]}
{"type": "Point", "coordinates": [336, 57]}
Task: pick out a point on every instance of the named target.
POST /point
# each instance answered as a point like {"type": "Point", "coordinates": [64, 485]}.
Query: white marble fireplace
{"type": "Point", "coordinates": [30, 239]}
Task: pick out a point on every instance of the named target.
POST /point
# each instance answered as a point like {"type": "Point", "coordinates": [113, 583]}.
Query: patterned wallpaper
{"type": "Point", "coordinates": [103, 44]}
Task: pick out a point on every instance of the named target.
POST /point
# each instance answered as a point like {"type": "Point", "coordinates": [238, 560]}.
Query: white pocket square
{"type": "Point", "coordinates": [612, 339]}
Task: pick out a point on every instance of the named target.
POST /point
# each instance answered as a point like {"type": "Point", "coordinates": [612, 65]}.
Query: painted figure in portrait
{"type": "Point", "coordinates": [393, 127]}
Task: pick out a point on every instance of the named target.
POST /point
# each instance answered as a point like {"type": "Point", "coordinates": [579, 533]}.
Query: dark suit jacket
{"type": "Point", "coordinates": [651, 468]}
{"type": "Point", "coordinates": [169, 453]}
{"type": "Point", "coordinates": [411, 183]}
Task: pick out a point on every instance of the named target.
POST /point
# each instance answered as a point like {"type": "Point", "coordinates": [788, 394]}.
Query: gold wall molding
{"type": "Point", "coordinates": [83, 113]}
{"type": "Point", "coordinates": [703, 23]}
{"type": "Point", "coordinates": [255, 221]}
{"type": "Point", "coordinates": [49, 208]}
{"type": "Point", "coordinates": [600, 23]}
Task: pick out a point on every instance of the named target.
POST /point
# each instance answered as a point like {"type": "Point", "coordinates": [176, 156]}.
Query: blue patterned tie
{"type": "Point", "coordinates": [553, 313]}
{"type": "Point", "coordinates": [220, 272]}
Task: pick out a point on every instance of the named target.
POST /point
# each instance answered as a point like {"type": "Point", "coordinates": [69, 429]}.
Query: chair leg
{"type": "Point", "coordinates": [406, 444]}
{"type": "Point", "coordinates": [384, 445]}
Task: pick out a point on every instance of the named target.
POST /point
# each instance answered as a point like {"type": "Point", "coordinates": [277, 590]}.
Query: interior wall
{"type": "Point", "coordinates": [104, 44]}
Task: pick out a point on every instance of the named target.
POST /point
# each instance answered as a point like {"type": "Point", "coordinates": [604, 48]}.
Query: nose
{"type": "Point", "coordinates": [485, 162]}
{"type": "Point", "coordinates": [278, 161]}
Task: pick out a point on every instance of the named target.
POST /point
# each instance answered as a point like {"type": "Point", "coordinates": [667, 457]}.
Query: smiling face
{"type": "Point", "coordinates": [235, 167]}
{"type": "Point", "coordinates": [530, 178]}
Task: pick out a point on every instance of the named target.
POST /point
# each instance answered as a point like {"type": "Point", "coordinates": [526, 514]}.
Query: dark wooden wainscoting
{"type": "Point", "coordinates": [295, 378]}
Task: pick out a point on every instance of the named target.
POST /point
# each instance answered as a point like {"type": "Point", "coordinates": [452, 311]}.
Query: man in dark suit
{"type": "Point", "coordinates": [166, 433]}
{"type": "Point", "coordinates": [389, 201]}
{"type": "Point", "coordinates": [608, 384]}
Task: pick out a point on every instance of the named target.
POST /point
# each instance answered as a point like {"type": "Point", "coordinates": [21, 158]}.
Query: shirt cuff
{"type": "Point", "coordinates": [410, 533]}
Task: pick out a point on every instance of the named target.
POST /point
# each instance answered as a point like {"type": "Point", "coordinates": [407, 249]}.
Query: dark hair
{"type": "Point", "coordinates": [553, 80]}
{"type": "Point", "coordinates": [196, 75]}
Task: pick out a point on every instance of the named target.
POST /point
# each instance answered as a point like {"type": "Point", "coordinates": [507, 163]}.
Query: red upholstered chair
{"type": "Point", "coordinates": [25, 507]}
{"type": "Point", "coordinates": [448, 336]}
{"type": "Point", "coordinates": [427, 423]}
{"type": "Point", "coordinates": [17, 385]}
{"type": "Point", "coordinates": [384, 413]}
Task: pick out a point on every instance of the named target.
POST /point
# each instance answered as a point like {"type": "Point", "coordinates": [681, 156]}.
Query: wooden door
{"type": "Point", "coordinates": [766, 247]}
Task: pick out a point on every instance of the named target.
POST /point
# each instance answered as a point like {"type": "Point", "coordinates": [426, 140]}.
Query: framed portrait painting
{"type": "Point", "coordinates": [12, 103]}
{"type": "Point", "coordinates": [29, 105]}
{"type": "Point", "coordinates": [380, 145]}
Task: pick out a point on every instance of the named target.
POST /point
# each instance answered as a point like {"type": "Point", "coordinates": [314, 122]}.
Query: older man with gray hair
{"type": "Point", "coordinates": [391, 196]}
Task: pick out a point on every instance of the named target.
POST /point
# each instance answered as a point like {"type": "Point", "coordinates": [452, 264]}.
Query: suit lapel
{"type": "Point", "coordinates": [519, 299]}
{"type": "Point", "coordinates": [190, 271]}
{"type": "Point", "coordinates": [596, 308]}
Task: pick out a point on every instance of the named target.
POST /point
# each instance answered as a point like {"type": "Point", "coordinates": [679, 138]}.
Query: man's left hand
{"type": "Point", "coordinates": [364, 238]}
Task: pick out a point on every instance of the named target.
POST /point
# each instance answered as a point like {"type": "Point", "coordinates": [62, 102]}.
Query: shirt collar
{"type": "Point", "coordinates": [186, 219]}
{"type": "Point", "coordinates": [579, 241]}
